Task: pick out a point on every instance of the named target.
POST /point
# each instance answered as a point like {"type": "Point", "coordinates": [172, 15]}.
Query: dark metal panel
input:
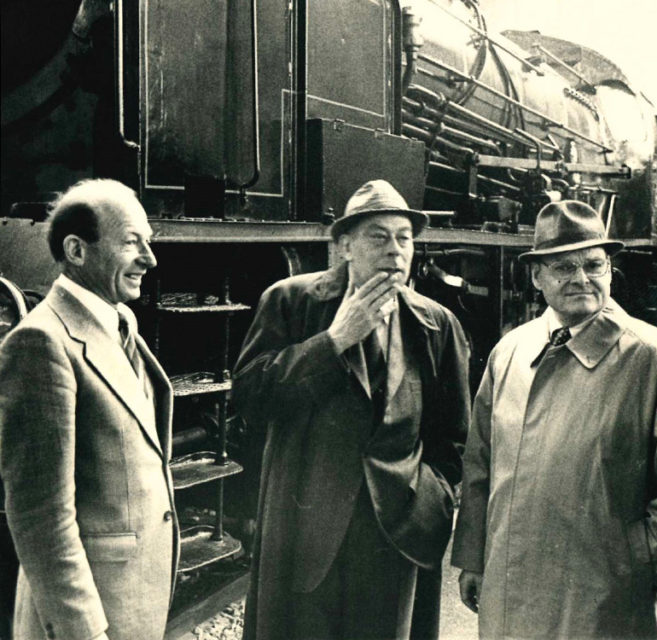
{"type": "Point", "coordinates": [183, 86]}
{"type": "Point", "coordinates": [341, 157]}
{"type": "Point", "coordinates": [350, 61]}
{"type": "Point", "coordinates": [270, 198]}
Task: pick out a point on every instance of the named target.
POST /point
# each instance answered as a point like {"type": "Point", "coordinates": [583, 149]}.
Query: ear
{"type": "Point", "coordinates": [344, 246]}
{"type": "Point", "coordinates": [75, 250]}
{"type": "Point", "coordinates": [535, 267]}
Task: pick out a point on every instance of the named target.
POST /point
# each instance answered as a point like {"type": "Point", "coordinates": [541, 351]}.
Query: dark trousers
{"type": "Point", "coordinates": [368, 592]}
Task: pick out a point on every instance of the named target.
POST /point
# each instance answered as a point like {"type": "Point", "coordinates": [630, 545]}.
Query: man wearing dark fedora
{"type": "Point", "coordinates": [362, 386]}
{"type": "Point", "coordinates": [557, 530]}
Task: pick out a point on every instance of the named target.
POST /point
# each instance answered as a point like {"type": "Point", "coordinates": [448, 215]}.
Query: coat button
{"type": "Point", "coordinates": [168, 515]}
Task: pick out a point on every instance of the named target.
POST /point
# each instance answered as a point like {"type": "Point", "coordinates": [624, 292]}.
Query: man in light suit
{"type": "Point", "coordinates": [85, 415]}
{"type": "Point", "coordinates": [362, 385]}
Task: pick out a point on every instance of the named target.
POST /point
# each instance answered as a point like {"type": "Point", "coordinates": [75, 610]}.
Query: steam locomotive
{"type": "Point", "coordinates": [245, 126]}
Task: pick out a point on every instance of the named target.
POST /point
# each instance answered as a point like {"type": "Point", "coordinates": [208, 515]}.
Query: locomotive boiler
{"type": "Point", "coordinates": [245, 126]}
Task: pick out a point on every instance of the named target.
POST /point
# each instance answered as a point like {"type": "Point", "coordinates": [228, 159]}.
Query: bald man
{"type": "Point", "coordinates": [85, 415]}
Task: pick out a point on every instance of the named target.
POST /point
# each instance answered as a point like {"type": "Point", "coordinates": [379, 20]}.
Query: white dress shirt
{"type": "Point", "coordinates": [105, 313]}
{"type": "Point", "coordinates": [553, 323]}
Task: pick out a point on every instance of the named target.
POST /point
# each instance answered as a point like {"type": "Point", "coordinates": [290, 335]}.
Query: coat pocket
{"type": "Point", "coordinates": [110, 547]}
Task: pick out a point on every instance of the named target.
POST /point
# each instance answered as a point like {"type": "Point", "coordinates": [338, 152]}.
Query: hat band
{"type": "Point", "coordinates": [568, 240]}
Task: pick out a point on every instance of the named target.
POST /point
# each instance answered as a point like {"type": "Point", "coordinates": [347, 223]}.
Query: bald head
{"type": "Point", "coordinates": [77, 211]}
{"type": "Point", "coordinates": [100, 233]}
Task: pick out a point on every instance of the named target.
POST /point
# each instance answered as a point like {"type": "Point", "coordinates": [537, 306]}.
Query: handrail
{"type": "Point", "coordinates": [564, 64]}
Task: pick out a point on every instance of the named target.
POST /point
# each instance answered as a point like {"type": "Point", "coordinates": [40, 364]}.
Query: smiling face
{"type": "Point", "coordinates": [578, 297]}
{"type": "Point", "coordinates": [381, 242]}
{"type": "Point", "coordinates": [113, 267]}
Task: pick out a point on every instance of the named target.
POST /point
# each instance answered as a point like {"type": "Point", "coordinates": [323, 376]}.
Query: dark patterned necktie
{"type": "Point", "coordinates": [376, 372]}
{"type": "Point", "coordinates": [560, 336]}
{"type": "Point", "coordinates": [129, 345]}
{"type": "Point", "coordinates": [374, 358]}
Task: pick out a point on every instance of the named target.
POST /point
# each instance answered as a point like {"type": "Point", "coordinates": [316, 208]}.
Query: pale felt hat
{"type": "Point", "coordinates": [376, 197]}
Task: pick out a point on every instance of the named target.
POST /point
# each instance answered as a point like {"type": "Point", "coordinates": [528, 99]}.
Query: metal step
{"type": "Point", "coordinates": [200, 467]}
{"type": "Point", "coordinates": [198, 549]}
{"type": "Point", "coordinates": [189, 384]}
{"type": "Point", "coordinates": [203, 308]}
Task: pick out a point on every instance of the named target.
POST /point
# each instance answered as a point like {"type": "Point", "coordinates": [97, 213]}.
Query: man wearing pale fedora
{"type": "Point", "coordinates": [557, 529]}
{"type": "Point", "coordinates": [362, 386]}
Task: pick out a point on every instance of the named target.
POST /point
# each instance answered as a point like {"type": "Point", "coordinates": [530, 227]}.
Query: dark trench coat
{"type": "Point", "coordinates": [290, 380]}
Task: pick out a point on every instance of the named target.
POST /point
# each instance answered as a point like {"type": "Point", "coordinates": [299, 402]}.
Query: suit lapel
{"type": "Point", "coordinates": [106, 357]}
{"type": "Point", "coordinates": [163, 393]}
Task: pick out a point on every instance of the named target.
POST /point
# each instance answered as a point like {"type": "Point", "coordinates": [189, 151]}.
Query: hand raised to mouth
{"type": "Point", "coordinates": [361, 310]}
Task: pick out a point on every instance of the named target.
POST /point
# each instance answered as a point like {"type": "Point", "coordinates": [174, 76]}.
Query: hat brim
{"type": "Point", "coordinates": [612, 247]}
{"type": "Point", "coordinates": [419, 220]}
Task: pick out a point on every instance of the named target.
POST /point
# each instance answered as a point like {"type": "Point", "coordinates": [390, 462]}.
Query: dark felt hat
{"type": "Point", "coordinates": [566, 226]}
{"type": "Point", "coordinates": [375, 197]}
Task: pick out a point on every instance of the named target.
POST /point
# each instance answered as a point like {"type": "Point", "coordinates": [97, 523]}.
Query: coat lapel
{"type": "Point", "coordinates": [356, 359]}
{"type": "Point", "coordinates": [106, 357]}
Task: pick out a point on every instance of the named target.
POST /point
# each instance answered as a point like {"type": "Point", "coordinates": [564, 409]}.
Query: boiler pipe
{"type": "Point", "coordinates": [443, 103]}
{"type": "Point", "coordinates": [503, 96]}
{"type": "Point", "coordinates": [485, 179]}
{"type": "Point", "coordinates": [437, 127]}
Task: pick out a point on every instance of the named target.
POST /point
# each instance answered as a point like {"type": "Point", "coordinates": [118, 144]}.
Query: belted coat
{"type": "Point", "coordinates": [559, 507]}
{"type": "Point", "coordinates": [320, 448]}
{"type": "Point", "coordinates": [84, 461]}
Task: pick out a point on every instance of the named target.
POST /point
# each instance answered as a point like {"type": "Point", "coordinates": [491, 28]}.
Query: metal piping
{"type": "Point", "coordinates": [499, 94]}
{"type": "Point", "coordinates": [419, 109]}
{"type": "Point", "coordinates": [431, 139]}
{"type": "Point", "coordinates": [484, 34]}
{"type": "Point", "coordinates": [455, 133]}
{"type": "Point", "coordinates": [485, 179]}
{"type": "Point", "coordinates": [536, 142]}
{"type": "Point", "coordinates": [437, 127]}
{"type": "Point", "coordinates": [443, 103]}
{"type": "Point", "coordinates": [620, 171]}
{"type": "Point", "coordinates": [412, 42]}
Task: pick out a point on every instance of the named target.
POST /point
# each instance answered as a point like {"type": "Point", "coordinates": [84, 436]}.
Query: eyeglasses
{"type": "Point", "coordinates": [595, 268]}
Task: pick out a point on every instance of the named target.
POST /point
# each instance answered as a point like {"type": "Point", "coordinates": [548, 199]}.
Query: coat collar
{"type": "Point", "coordinates": [593, 342]}
{"type": "Point", "coordinates": [105, 355]}
{"type": "Point", "coordinates": [332, 284]}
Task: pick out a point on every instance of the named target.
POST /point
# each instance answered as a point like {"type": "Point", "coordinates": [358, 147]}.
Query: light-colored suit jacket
{"type": "Point", "coordinates": [89, 497]}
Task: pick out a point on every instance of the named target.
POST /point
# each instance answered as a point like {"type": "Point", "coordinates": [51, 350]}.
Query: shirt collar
{"type": "Point", "coordinates": [553, 323]}
{"type": "Point", "coordinates": [105, 313]}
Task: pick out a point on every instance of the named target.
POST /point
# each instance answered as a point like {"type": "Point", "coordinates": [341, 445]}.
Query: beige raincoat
{"type": "Point", "coordinates": [559, 505]}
